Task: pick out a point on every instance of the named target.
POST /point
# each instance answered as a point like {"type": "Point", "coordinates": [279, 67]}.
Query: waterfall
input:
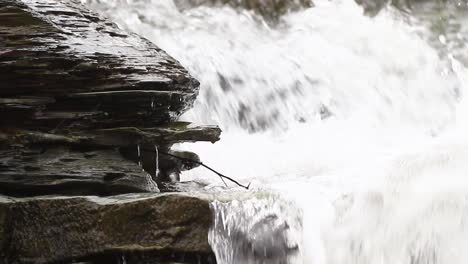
{"type": "Point", "coordinates": [352, 129]}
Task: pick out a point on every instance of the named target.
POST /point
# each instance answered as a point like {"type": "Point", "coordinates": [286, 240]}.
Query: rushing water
{"type": "Point", "coordinates": [351, 129]}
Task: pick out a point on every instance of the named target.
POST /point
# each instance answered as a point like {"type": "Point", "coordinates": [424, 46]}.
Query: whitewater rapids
{"type": "Point", "coordinates": [352, 129]}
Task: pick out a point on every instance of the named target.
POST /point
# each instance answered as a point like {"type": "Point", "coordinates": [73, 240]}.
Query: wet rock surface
{"type": "Point", "coordinates": [61, 170]}
{"type": "Point", "coordinates": [253, 231]}
{"type": "Point", "coordinates": [89, 109]}
{"type": "Point", "coordinates": [373, 7]}
{"type": "Point", "coordinates": [60, 62]}
{"type": "Point", "coordinates": [60, 44]}
{"type": "Point", "coordinates": [130, 228]}
{"type": "Point", "coordinates": [86, 106]}
{"type": "Point", "coordinates": [269, 9]}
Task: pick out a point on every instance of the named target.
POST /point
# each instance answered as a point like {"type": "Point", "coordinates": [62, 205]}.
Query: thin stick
{"type": "Point", "coordinates": [201, 164]}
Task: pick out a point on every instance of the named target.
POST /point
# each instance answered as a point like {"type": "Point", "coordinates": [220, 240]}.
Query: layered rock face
{"type": "Point", "coordinates": [88, 109]}
{"type": "Point", "coordinates": [83, 103]}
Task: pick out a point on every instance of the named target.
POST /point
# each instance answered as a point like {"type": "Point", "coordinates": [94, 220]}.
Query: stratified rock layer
{"type": "Point", "coordinates": [86, 106]}
{"type": "Point", "coordinates": [59, 61]}
{"type": "Point", "coordinates": [139, 229]}
{"type": "Point", "coordinates": [60, 170]}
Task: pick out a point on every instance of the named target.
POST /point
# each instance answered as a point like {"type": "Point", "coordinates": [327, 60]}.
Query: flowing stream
{"type": "Point", "coordinates": [352, 130]}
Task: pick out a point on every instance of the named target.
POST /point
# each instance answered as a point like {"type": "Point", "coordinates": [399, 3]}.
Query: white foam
{"type": "Point", "coordinates": [383, 179]}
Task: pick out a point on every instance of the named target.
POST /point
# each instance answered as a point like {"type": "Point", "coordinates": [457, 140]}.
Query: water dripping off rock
{"type": "Point", "coordinates": [256, 231]}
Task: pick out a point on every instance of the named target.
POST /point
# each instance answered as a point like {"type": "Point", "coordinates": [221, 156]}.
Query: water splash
{"type": "Point", "coordinates": [379, 178]}
{"type": "Point", "coordinates": [139, 156]}
{"type": "Point", "coordinates": [156, 161]}
{"type": "Point", "coordinates": [255, 231]}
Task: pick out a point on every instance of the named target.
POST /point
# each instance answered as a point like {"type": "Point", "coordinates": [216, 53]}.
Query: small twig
{"type": "Point", "coordinates": [225, 184]}
{"type": "Point", "coordinates": [58, 126]}
{"type": "Point", "coordinates": [201, 164]}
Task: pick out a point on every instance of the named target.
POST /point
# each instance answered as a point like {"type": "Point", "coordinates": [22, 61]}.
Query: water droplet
{"type": "Point", "coordinates": [156, 161]}
{"type": "Point", "coordinates": [139, 155]}
{"type": "Point", "coordinates": [442, 39]}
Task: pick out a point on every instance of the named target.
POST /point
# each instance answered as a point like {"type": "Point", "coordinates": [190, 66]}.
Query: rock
{"type": "Point", "coordinates": [114, 137]}
{"type": "Point", "coordinates": [79, 98]}
{"type": "Point", "coordinates": [89, 109]}
{"type": "Point", "coordinates": [265, 242]}
{"type": "Point", "coordinates": [4, 235]}
{"type": "Point", "coordinates": [134, 228]}
{"type": "Point", "coordinates": [373, 7]}
{"type": "Point", "coordinates": [62, 170]}
{"type": "Point", "coordinates": [58, 57]}
{"type": "Point", "coordinates": [255, 231]}
{"type": "Point", "coordinates": [185, 186]}
{"type": "Point", "coordinates": [269, 9]}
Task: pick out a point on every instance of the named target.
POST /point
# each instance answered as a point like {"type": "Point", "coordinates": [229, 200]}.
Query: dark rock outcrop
{"type": "Point", "coordinates": [61, 170]}
{"type": "Point", "coordinates": [85, 105]}
{"type": "Point", "coordinates": [269, 9]}
{"type": "Point", "coordinates": [135, 228]}
{"type": "Point", "coordinates": [88, 109]}
{"type": "Point", "coordinates": [373, 7]}
{"type": "Point", "coordinates": [60, 63]}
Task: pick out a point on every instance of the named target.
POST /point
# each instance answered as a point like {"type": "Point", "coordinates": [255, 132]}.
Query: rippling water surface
{"type": "Point", "coordinates": [352, 129]}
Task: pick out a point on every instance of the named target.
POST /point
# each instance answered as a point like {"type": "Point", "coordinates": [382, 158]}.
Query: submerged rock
{"type": "Point", "coordinates": [373, 7]}
{"type": "Point", "coordinates": [270, 9]}
{"type": "Point", "coordinates": [138, 229]}
{"type": "Point", "coordinates": [266, 241]}
{"type": "Point", "coordinates": [256, 231]}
